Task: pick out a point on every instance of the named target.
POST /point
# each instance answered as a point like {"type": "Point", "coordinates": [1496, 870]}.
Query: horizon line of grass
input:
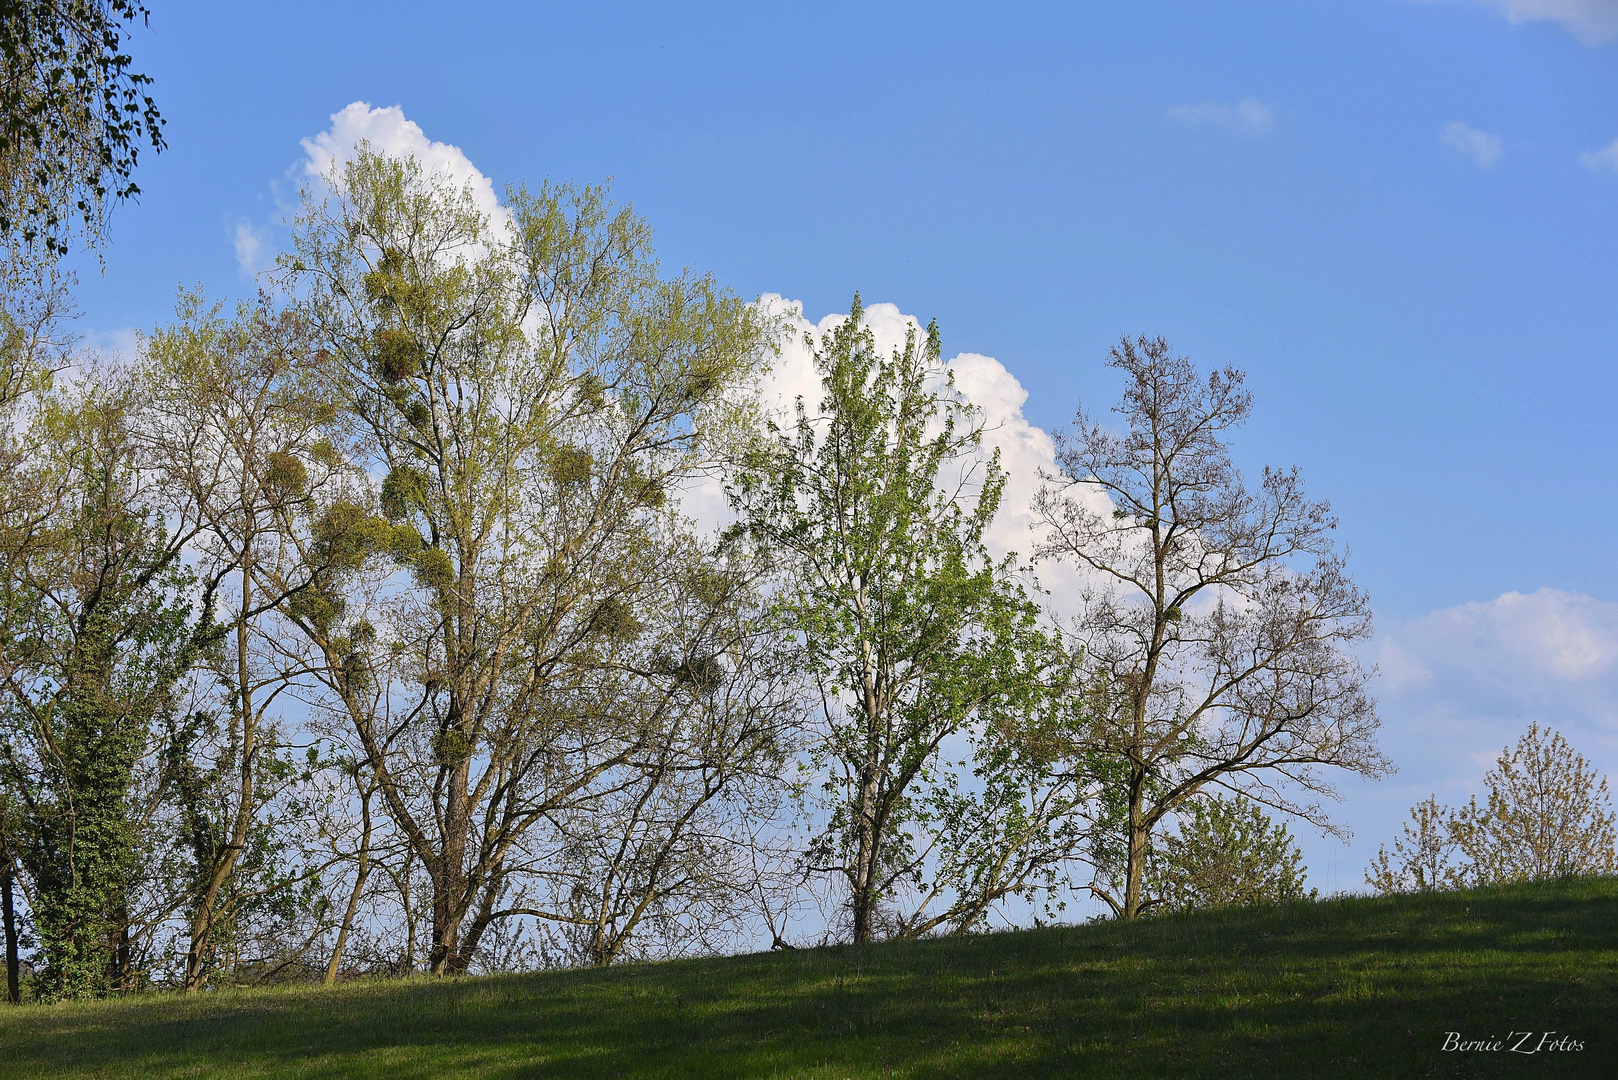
{"type": "Point", "coordinates": [1342, 986]}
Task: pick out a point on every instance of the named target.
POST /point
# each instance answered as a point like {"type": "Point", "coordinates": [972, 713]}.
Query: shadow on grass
{"type": "Point", "coordinates": [1359, 987]}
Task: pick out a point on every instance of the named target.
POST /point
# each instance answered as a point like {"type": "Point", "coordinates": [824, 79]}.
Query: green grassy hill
{"type": "Point", "coordinates": [1361, 987]}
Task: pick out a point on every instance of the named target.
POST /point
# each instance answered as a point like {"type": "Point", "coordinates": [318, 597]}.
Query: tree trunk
{"type": "Point", "coordinates": [865, 859]}
{"type": "Point", "coordinates": [9, 913]}
{"type": "Point", "coordinates": [867, 854]}
{"type": "Point", "coordinates": [354, 897]}
{"type": "Point", "coordinates": [1139, 837]}
{"type": "Point", "coordinates": [202, 919]}
{"type": "Point", "coordinates": [1138, 841]}
{"type": "Point", "coordinates": [120, 973]}
{"type": "Point", "coordinates": [449, 885]}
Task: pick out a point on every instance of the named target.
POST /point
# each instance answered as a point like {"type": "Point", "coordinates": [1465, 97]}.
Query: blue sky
{"type": "Point", "coordinates": [1394, 215]}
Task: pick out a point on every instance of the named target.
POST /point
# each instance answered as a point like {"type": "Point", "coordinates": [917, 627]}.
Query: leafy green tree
{"type": "Point", "coordinates": [74, 116]}
{"type": "Point", "coordinates": [1548, 815]}
{"type": "Point", "coordinates": [34, 307]}
{"type": "Point", "coordinates": [105, 621]}
{"type": "Point", "coordinates": [875, 506]}
{"type": "Point", "coordinates": [1218, 631]}
{"type": "Point", "coordinates": [1226, 853]}
{"type": "Point", "coordinates": [530, 390]}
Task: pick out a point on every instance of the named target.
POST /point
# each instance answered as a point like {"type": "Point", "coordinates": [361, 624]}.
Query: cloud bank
{"type": "Point", "coordinates": [1550, 655]}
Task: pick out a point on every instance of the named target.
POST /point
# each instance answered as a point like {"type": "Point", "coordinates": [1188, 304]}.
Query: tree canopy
{"type": "Point", "coordinates": [74, 117]}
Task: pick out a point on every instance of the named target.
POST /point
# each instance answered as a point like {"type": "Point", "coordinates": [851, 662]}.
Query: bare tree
{"type": "Point", "coordinates": [664, 863]}
{"type": "Point", "coordinates": [1217, 634]}
{"type": "Point", "coordinates": [234, 427]}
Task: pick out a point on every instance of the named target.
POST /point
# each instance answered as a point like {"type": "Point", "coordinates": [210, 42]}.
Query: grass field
{"type": "Point", "coordinates": [1341, 988]}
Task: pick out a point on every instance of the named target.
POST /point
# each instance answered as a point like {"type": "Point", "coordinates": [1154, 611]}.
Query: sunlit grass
{"type": "Point", "coordinates": [1358, 987]}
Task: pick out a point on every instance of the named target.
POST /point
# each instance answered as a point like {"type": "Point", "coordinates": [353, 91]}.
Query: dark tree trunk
{"type": "Point", "coordinates": [9, 913]}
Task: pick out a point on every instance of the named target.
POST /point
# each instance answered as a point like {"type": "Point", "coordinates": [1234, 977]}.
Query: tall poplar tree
{"type": "Point", "coordinates": [875, 505]}
{"type": "Point", "coordinates": [528, 389]}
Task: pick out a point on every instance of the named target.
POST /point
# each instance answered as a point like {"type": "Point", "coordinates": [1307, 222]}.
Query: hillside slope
{"type": "Point", "coordinates": [1358, 987]}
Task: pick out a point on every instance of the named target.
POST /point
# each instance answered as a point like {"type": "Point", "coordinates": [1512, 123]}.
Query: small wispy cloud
{"type": "Point", "coordinates": [1591, 21]}
{"type": "Point", "coordinates": [1481, 147]}
{"type": "Point", "coordinates": [1602, 160]}
{"type": "Point", "coordinates": [1249, 116]}
{"type": "Point", "coordinates": [252, 244]}
{"type": "Point", "coordinates": [121, 345]}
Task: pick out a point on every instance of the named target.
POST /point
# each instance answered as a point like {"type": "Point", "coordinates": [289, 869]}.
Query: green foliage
{"type": "Point", "coordinates": [111, 625]}
{"type": "Point", "coordinates": [404, 492]}
{"type": "Point", "coordinates": [343, 538]}
{"type": "Point", "coordinates": [285, 475]}
{"type": "Point", "coordinates": [73, 116]}
{"type": "Point", "coordinates": [876, 505]}
{"type": "Point", "coordinates": [347, 534]}
{"type": "Point", "coordinates": [615, 619]}
{"type": "Point", "coordinates": [1227, 853]}
{"type": "Point", "coordinates": [398, 355]}
{"type": "Point", "coordinates": [434, 569]}
{"type": "Point", "coordinates": [570, 466]}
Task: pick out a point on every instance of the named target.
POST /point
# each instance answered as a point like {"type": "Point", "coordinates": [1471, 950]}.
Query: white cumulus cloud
{"type": "Point", "coordinates": [1025, 449]}
{"type": "Point", "coordinates": [1249, 116]}
{"type": "Point", "coordinates": [388, 131]}
{"type": "Point", "coordinates": [1481, 147]}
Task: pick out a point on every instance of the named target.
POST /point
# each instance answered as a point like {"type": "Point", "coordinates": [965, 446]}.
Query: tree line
{"type": "Point", "coordinates": [358, 627]}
